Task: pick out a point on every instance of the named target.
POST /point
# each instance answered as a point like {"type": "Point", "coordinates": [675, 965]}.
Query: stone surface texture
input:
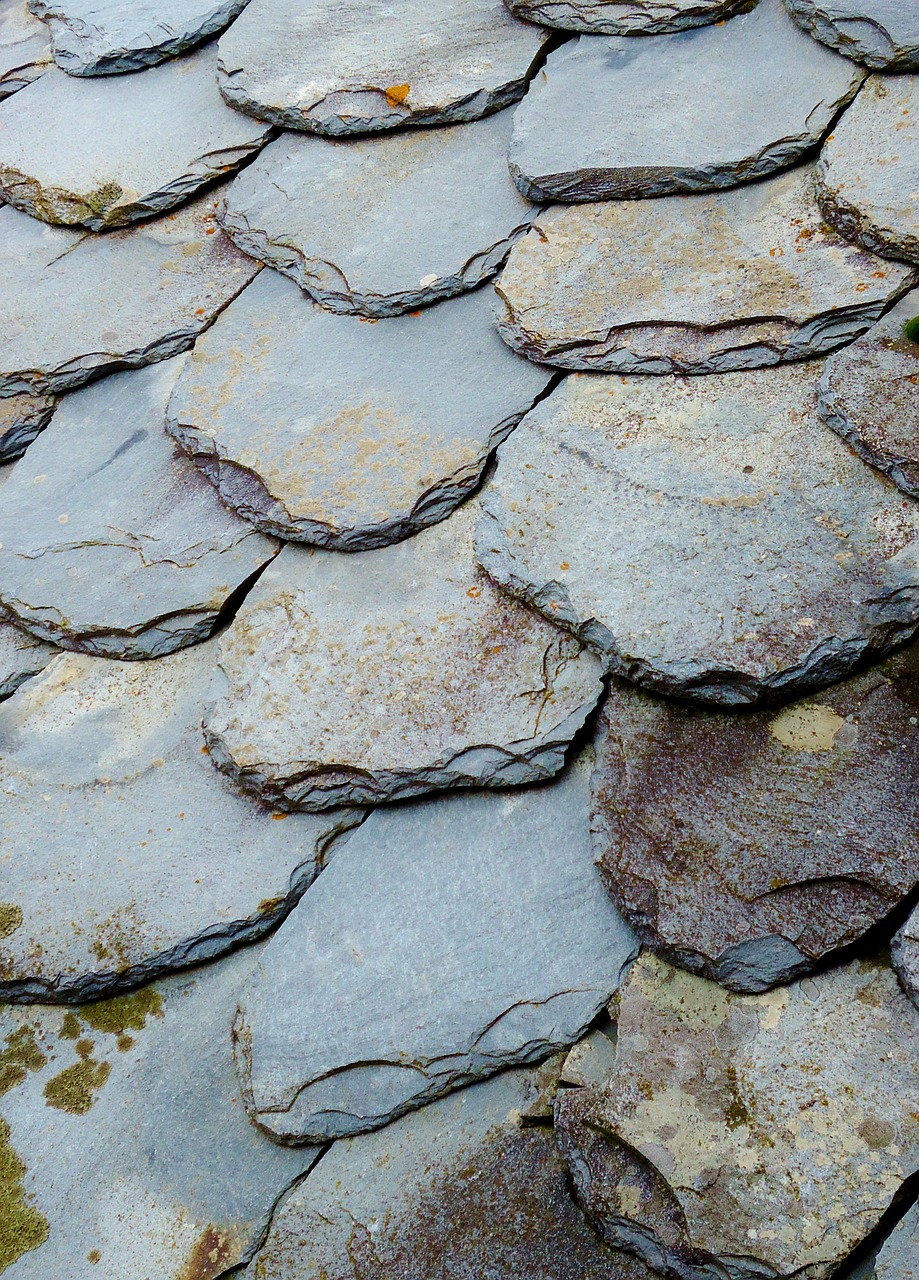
{"type": "Point", "coordinates": [899, 1258]}
{"type": "Point", "coordinates": [626, 17]}
{"type": "Point", "coordinates": [505, 949]}
{"type": "Point", "coordinates": [883, 34]}
{"type": "Point", "coordinates": [421, 216]}
{"type": "Point", "coordinates": [118, 149]}
{"type": "Point", "coordinates": [691, 284]}
{"type": "Point", "coordinates": [24, 49]}
{"type": "Point", "coordinates": [323, 429]}
{"type": "Point", "coordinates": [74, 306]}
{"type": "Point", "coordinates": [749, 848]}
{"type": "Point", "coordinates": [905, 951]}
{"type": "Point", "coordinates": [736, 1135]}
{"type": "Point", "coordinates": [612, 117]}
{"type": "Point", "coordinates": [21, 419]}
{"type": "Point", "coordinates": [708, 536]}
{"type": "Point", "coordinates": [21, 657]}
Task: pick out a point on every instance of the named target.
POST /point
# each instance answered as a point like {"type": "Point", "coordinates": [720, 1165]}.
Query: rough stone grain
{"type": "Point", "coordinates": [24, 49]}
{"type": "Point", "coordinates": [627, 17]}
{"type": "Point", "coordinates": [418, 216]}
{"type": "Point", "coordinates": [611, 116]}
{"type": "Point", "coordinates": [337, 68]}
{"type": "Point", "coordinates": [884, 34]}
{"type": "Point", "coordinates": [748, 1136]}
{"type": "Point", "coordinates": [505, 948]}
{"type": "Point", "coordinates": [708, 536]}
{"type": "Point", "coordinates": [391, 673]}
{"type": "Point", "coordinates": [905, 951]}
{"type": "Point", "coordinates": [325, 429]}
{"type": "Point", "coordinates": [868, 175]}
{"type": "Point", "coordinates": [869, 394]}
{"type": "Point", "coordinates": [124, 852]}
{"type": "Point", "coordinates": [137, 1159]}
{"type": "Point", "coordinates": [748, 848]}
{"type": "Point", "coordinates": [21, 656]}
{"type": "Point", "coordinates": [117, 149]}
{"type": "Point", "coordinates": [106, 37]}
{"type": "Point", "coordinates": [691, 284]}
{"type": "Point", "coordinates": [110, 540]}
{"type": "Point", "coordinates": [899, 1258]}
{"type": "Point", "coordinates": [74, 305]}
{"type": "Point", "coordinates": [21, 419]}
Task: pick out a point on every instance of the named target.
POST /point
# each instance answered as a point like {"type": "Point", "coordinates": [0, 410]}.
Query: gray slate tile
{"type": "Point", "coordinates": [691, 284]}
{"type": "Point", "coordinates": [883, 34]}
{"type": "Point", "coordinates": [611, 116]}
{"type": "Point", "coordinates": [868, 394]}
{"type": "Point", "coordinates": [24, 49]}
{"type": "Point", "coordinates": [107, 37]}
{"type": "Point", "coordinates": [21, 419]}
{"type": "Point", "coordinates": [341, 69]}
{"type": "Point", "coordinates": [388, 674]}
{"type": "Point", "coordinates": [868, 173]}
{"type": "Point", "coordinates": [110, 540]}
{"type": "Point", "coordinates": [74, 305]}
{"type": "Point", "coordinates": [905, 953]}
{"type": "Point", "coordinates": [416, 216]}
{"type": "Point", "coordinates": [709, 536]}
{"type": "Point", "coordinates": [325, 429]}
{"type": "Point", "coordinates": [478, 935]}
{"type": "Point", "coordinates": [21, 657]}
{"type": "Point", "coordinates": [125, 853]}
{"type": "Point", "coordinates": [117, 149]}
{"type": "Point", "coordinates": [899, 1258]}
{"type": "Point", "coordinates": [125, 1127]}
{"type": "Point", "coordinates": [626, 17]}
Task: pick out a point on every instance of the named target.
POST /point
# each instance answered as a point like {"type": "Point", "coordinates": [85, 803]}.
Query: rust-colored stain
{"type": "Point", "coordinates": [210, 1256]}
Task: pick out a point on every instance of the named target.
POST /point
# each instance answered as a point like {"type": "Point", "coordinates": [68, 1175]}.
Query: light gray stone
{"type": "Point", "coordinates": [884, 34]}
{"type": "Point", "coordinates": [21, 657]}
{"type": "Point", "coordinates": [505, 948]}
{"type": "Point", "coordinates": [21, 419]}
{"type": "Point", "coordinates": [868, 174]}
{"type": "Point", "coordinates": [627, 17]}
{"type": "Point", "coordinates": [324, 429]}
{"type": "Point", "coordinates": [691, 284]}
{"type": "Point", "coordinates": [905, 952]}
{"type": "Point", "coordinates": [117, 149]}
{"type": "Point", "coordinates": [869, 394]}
{"type": "Point", "coordinates": [106, 37]}
{"type": "Point", "coordinates": [611, 116]}
{"type": "Point", "coordinates": [125, 854]}
{"type": "Point", "coordinates": [415, 216]}
{"type": "Point", "coordinates": [708, 536]}
{"type": "Point", "coordinates": [340, 69]}
{"type": "Point", "coordinates": [110, 540]}
{"type": "Point", "coordinates": [899, 1258]}
{"type": "Point", "coordinates": [74, 306]}
{"type": "Point", "coordinates": [391, 673]}
{"type": "Point", "coordinates": [126, 1150]}
{"type": "Point", "coordinates": [24, 49]}
{"type": "Point", "coordinates": [748, 1136]}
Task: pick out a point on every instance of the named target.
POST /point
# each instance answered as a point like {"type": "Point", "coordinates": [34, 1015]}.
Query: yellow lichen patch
{"type": "Point", "coordinates": [70, 1028]}
{"type": "Point", "coordinates": [10, 918]}
{"type": "Point", "coordinates": [211, 1255]}
{"type": "Point", "coordinates": [124, 1013]}
{"type": "Point", "coordinates": [396, 94]}
{"type": "Point", "coordinates": [21, 1055]}
{"type": "Point", "coordinates": [74, 1088]}
{"type": "Point", "coordinates": [22, 1228]}
{"type": "Point", "coordinates": [807, 727]}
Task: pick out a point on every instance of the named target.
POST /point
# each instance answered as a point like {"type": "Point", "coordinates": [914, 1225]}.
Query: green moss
{"type": "Point", "coordinates": [70, 1028]}
{"type": "Point", "coordinates": [10, 918]}
{"type": "Point", "coordinates": [911, 329]}
{"type": "Point", "coordinates": [22, 1228]}
{"type": "Point", "coordinates": [124, 1013]}
{"type": "Point", "coordinates": [74, 1088]}
{"type": "Point", "coordinates": [21, 1055]}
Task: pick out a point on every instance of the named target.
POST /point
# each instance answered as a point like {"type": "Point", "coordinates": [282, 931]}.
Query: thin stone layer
{"type": "Point", "coordinates": [697, 284]}
{"type": "Point", "coordinates": [750, 1136]}
{"type": "Point", "coordinates": [868, 175]}
{"type": "Point", "coordinates": [125, 854]}
{"type": "Point", "coordinates": [905, 951]}
{"type": "Point", "coordinates": [25, 53]}
{"type": "Point", "coordinates": [627, 17]}
{"type": "Point", "coordinates": [320, 428]}
{"type": "Point", "coordinates": [708, 536]}
{"type": "Point", "coordinates": [107, 37]}
{"type": "Point", "coordinates": [611, 117]}
{"type": "Point", "coordinates": [74, 306]}
{"type": "Point", "coordinates": [21, 419]}
{"type": "Point", "coordinates": [343, 69]}
{"type": "Point", "coordinates": [418, 216]}
{"type": "Point", "coordinates": [883, 34]}
{"type": "Point", "coordinates": [869, 395]}
{"type": "Point", "coordinates": [110, 540]}
{"type": "Point", "coordinates": [391, 673]}
{"type": "Point", "coordinates": [750, 848]}
{"type": "Point", "coordinates": [21, 657]}
{"type": "Point", "coordinates": [116, 150]}
{"type": "Point", "coordinates": [506, 948]}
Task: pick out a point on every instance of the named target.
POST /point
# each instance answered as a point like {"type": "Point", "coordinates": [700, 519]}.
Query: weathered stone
{"type": "Point", "coordinates": [691, 284]}
{"type": "Point", "coordinates": [21, 419]}
{"type": "Point", "coordinates": [750, 1136]}
{"type": "Point", "coordinates": [325, 429]}
{"type": "Point", "coordinates": [124, 852]}
{"type": "Point", "coordinates": [868, 174]}
{"type": "Point", "coordinates": [506, 948]}
{"type": "Point", "coordinates": [136, 1156]}
{"type": "Point", "coordinates": [627, 17]}
{"type": "Point", "coordinates": [333, 69]}
{"type": "Point", "coordinates": [748, 848]}
{"type": "Point", "coordinates": [117, 149]}
{"type": "Point", "coordinates": [391, 673]}
{"type": "Point", "coordinates": [106, 37]}
{"type": "Point", "coordinates": [708, 536]}
{"type": "Point", "coordinates": [24, 49]}
{"type": "Point", "coordinates": [899, 1258]}
{"type": "Point", "coordinates": [884, 34]}
{"type": "Point", "coordinates": [461, 1190]}
{"type": "Point", "coordinates": [869, 394]}
{"type": "Point", "coordinates": [590, 1061]}
{"type": "Point", "coordinates": [74, 306]}
{"type": "Point", "coordinates": [905, 951]}
{"type": "Point", "coordinates": [110, 540]}
{"type": "Point", "coordinates": [418, 216]}
{"type": "Point", "coordinates": [611, 116]}
{"type": "Point", "coordinates": [21, 657]}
